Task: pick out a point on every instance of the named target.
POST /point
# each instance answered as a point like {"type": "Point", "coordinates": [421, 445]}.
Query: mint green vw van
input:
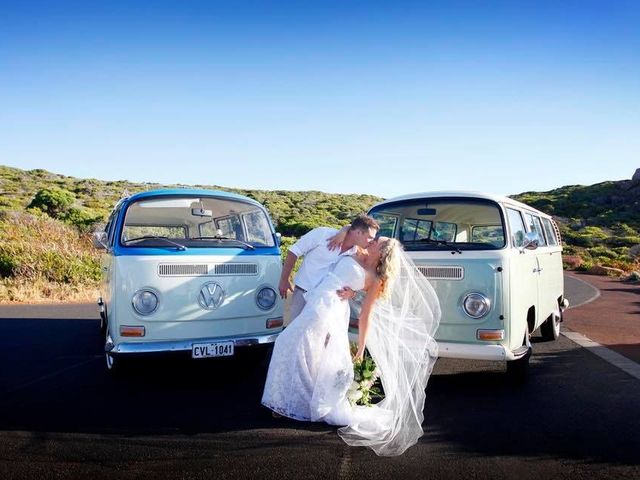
{"type": "Point", "coordinates": [495, 263]}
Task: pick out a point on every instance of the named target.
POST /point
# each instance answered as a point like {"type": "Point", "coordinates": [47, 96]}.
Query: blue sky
{"type": "Point", "coordinates": [384, 98]}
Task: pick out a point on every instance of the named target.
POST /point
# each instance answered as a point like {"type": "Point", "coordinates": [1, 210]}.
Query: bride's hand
{"type": "Point", "coordinates": [359, 355]}
{"type": "Point", "coordinates": [346, 293]}
{"type": "Point", "coordinates": [336, 241]}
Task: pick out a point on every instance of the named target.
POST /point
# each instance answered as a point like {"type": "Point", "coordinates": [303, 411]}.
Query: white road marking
{"type": "Point", "coordinates": [614, 358]}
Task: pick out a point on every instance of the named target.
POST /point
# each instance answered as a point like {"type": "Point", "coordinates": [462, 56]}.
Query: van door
{"type": "Point", "coordinates": [551, 263]}
{"type": "Point", "coordinates": [523, 280]}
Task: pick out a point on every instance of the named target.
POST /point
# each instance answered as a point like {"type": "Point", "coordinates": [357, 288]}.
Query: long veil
{"type": "Point", "coordinates": [401, 342]}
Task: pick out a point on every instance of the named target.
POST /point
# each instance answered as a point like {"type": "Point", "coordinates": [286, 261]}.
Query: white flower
{"type": "Point", "coordinates": [357, 395]}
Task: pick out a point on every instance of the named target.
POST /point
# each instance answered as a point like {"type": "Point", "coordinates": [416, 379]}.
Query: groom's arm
{"type": "Point", "coordinates": [285, 277]}
{"type": "Point", "coordinates": [304, 245]}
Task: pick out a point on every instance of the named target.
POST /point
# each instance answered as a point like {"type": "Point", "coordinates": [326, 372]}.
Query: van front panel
{"type": "Point", "coordinates": [199, 296]}
{"type": "Point", "coordinates": [478, 273]}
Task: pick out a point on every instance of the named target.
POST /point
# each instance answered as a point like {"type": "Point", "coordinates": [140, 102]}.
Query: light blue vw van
{"type": "Point", "coordinates": [495, 263]}
{"type": "Point", "coordinates": [188, 270]}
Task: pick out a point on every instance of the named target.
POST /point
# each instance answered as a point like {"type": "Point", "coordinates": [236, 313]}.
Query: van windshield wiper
{"type": "Point", "coordinates": [179, 246]}
{"type": "Point", "coordinates": [440, 242]}
{"type": "Point", "coordinates": [228, 239]}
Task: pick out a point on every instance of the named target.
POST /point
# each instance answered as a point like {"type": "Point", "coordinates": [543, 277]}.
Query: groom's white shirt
{"type": "Point", "coordinates": [318, 259]}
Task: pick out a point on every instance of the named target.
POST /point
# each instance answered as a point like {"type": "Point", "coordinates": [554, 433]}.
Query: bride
{"type": "Point", "coordinates": [311, 367]}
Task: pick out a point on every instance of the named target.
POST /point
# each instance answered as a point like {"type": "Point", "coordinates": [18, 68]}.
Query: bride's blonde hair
{"type": "Point", "coordinates": [389, 264]}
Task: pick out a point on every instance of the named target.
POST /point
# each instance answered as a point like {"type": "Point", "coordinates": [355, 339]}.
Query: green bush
{"type": "Point", "coordinates": [82, 218]}
{"type": "Point", "coordinates": [602, 252]}
{"type": "Point", "coordinates": [54, 201]}
{"type": "Point", "coordinates": [586, 265]}
{"type": "Point", "coordinates": [623, 241]}
{"type": "Point", "coordinates": [8, 264]}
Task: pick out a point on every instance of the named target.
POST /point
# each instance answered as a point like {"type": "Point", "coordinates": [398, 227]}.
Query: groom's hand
{"type": "Point", "coordinates": [345, 293]}
{"type": "Point", "coordinates": [285, 287]}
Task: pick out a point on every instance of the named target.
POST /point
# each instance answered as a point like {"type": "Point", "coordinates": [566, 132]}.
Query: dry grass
{"type": "Point", "coordinates": [44, 260]}
{"type": "Point", "coordinates": [41, 291]}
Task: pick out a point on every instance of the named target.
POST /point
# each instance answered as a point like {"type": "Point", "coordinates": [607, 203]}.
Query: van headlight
{"type": "Point", "coordinates": [476, 305]}
{"type": "Point", "coordinates": [145, 302]}
{"type": "Point", "coordinates": [266, 298]}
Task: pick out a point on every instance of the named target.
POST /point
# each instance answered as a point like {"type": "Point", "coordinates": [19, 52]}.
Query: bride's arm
{"type": "Point", "coordinates": [365, 313]}
{"type": "Point", "coordinates": [336, 241]}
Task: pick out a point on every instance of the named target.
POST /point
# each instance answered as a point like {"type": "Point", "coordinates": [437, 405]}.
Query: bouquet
{"type": "Point", "coordinates": [365, 386]}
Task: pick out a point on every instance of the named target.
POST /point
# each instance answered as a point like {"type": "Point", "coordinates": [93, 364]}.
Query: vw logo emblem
{"type": "Point", "coordinates": [211, 296]}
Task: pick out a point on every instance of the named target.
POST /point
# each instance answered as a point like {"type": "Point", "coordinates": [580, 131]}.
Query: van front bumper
{"type": "Point", "coordinates": [185, 345]}
{"type": "Point", "coordinates": [479, 352]}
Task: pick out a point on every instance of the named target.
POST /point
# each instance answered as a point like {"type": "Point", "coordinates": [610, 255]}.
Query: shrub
{"type": "Point", "coordinates": [53, 201]}
{"type": "Point", "coordinates": [571, 262]}
{"type": "Point", "coordinates": [623, 241]}
{"type": "Point", "coordinates": [585, 266]}
{"type": "Point", "coordinates": [83, 219]}
{"type": "Point", "coordinates": [602, 252]}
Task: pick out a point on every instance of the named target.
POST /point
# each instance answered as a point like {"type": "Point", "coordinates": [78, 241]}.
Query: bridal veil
{"type": "Point", "coordinates": [401, 342]}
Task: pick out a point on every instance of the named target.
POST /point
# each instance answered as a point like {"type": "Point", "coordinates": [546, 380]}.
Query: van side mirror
{"type": "Point", "coordinates": [531, 241]}
{"type": "Point", "coordinates": [278, 239]}
{"type": "Point", "coordinates": [100, 240]}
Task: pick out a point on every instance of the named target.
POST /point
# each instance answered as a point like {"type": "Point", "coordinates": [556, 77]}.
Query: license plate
{"type": "Point", "coordinates": [206, 350]}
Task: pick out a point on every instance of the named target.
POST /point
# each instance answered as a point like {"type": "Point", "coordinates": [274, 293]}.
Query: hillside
{"type": "Point", "coordinates": [294, 213]}
{"type": "Point", "coordinates": [600, 223]}
{"type": "Point", "coordinates": [44, 258]}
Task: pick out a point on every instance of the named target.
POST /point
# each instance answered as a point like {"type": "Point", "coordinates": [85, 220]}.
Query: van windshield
{"type": "Point", "coordinates": [195, 222]}
{"type": "Point", "coordinates": [443, 223]}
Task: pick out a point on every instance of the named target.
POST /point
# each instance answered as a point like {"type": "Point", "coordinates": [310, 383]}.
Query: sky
{"type": "Point", "coordinates": [385, 98]}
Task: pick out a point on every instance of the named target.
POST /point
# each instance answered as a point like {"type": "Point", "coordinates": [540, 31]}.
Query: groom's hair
{"type": "Point", "coordinates": [364, 222]}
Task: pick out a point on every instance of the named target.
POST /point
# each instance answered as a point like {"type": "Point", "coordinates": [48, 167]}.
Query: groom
{"type": "Point", "coordinates": [318, 258]}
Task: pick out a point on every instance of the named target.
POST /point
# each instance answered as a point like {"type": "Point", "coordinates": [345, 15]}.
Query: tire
{"type": "Point", "coordinates": [550, 329]}
{"type": "Point", "coordinates": [113, 362]}
{"type": "Point", "coordinates": [518, 370]}
{"type": "Point", "coordinates": [103, 322]}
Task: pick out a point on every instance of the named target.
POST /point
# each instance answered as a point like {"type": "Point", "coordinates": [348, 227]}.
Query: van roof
{"type": "Point", "coordinates": [178, 192]}
{"type": "Point", "coordinates": [462, 194]}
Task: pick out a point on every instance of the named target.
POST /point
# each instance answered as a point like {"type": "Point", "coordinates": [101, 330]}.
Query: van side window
{"type": "Point", "coordinates": [517, 227]}
{"type": "Point", "coordinates": [493, 234]}
{"type": "Point", "coordinates": [535, 226]}
{"type": "Point", "coordinates": [111, 223]}
{"type": "Point", "coordinates": [549, 231]}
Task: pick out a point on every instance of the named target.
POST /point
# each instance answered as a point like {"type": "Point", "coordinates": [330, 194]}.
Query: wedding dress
{"type": "Point", "coordinates": [311, 368]}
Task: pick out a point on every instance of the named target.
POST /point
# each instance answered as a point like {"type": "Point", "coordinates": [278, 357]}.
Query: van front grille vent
{"type": "Point", "coordinates": [442, 273]}
{"type": "Point", "coordinates": [182, 269]}
{"type": "Point", "coordinates": [203, 269]}
{"type": "Point", "coordinates": [234, 269]}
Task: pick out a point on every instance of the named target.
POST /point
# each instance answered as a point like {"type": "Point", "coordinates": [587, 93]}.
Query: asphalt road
{"type": "Point", "coordinates": [63, 416]}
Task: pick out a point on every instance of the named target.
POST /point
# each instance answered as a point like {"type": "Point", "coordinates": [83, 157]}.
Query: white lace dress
{"type": "Point", "coordinates": [311, 367]}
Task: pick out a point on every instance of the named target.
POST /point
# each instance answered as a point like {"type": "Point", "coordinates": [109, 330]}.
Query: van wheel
{"type": "Point", "coordinates": [518, 370]}
{"type": "Point", "coordinates": [111, 362]}
{"type": "Point", "coordinates": [103, 322]}
{"type": "Point", "coordinates": [550, 329]}
{"type": "Point", "coordinates": [114, 363]}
